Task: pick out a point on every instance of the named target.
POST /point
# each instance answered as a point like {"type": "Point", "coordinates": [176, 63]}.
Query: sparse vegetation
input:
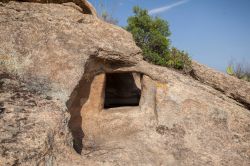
{"type": "Point", "coordinates": [179, 60]}
{"type": "Point", "coordinates": [105, 15]}
{"type": "Point", "coordinates": [152, 36]}
{"type": "Point", "coordinates": [239, 70]}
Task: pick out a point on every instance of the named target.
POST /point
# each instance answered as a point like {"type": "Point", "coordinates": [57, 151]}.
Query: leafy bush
{"type": "Point", "coordinates": [151, 34]}
{"type": "Point", "coordinates": [239, 70]}
{"type": "Point", "coordinates": [179, 60]}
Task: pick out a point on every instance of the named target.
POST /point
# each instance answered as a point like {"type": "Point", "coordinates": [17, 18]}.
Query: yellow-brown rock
{"type": "Point", "coordinates": [54, 63]}
{"type": "Point", "coordinates": [86, 7]}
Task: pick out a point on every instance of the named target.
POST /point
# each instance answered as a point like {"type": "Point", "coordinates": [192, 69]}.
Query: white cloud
{"type": "Point", "coordinates": [167, 7]}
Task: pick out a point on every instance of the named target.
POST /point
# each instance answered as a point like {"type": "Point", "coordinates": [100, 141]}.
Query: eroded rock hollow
{"type": "Point", "coordinates": [98, 99]}
{"type": "Point", "coordinates": [122, 89]}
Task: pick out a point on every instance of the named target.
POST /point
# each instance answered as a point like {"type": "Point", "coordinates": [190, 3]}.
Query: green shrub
{"type": "Point", "coordinates": [151, 34]}
{"type": "Point", "coordinates": [179, 60]}
{"type": "Point", "coordinates": [239, 70]}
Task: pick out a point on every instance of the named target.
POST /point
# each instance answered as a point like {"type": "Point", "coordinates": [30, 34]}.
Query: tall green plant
{"type": "Point", "coordinates": [151, 34]}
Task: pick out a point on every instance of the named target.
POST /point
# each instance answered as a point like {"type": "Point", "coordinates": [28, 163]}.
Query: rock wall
{"type": "Point", "coordinates": [85, 6]}
{"type": "Point", "coordinates": [229, 85]}
{"type": "Point", "coordinates": [63, 40]}
{"type": "Point", "coordinates": [33, 126]}
{"type": "Point", "coordinates": [53, 60]}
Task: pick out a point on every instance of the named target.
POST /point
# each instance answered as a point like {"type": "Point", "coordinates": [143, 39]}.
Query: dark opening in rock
{"type": "Point", "coordinates": [122, 89]}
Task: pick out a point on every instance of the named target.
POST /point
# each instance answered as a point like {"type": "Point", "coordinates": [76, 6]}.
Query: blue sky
{"type": "Point", "coordinates": [213, 32]}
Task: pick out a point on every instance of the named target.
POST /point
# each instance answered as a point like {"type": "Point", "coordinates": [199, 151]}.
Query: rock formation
{"type": "Point", "coordinates": [54, 66]}
{"type": "Point", "coordinates": [85, 6]}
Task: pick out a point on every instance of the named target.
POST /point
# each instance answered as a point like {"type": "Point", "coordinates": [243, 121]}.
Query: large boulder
{"type": "Point", "coordinates": [54, 62]}
{"type": "Point", "coordinates": [49, 45]}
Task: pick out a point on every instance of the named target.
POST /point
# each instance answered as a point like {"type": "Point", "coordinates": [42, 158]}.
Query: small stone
{"type": "Point", "coordinates": [48, 98]}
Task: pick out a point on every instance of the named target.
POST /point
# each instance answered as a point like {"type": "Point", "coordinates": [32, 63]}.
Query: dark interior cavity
{"type": "Point", "coordinates": [122, 89]}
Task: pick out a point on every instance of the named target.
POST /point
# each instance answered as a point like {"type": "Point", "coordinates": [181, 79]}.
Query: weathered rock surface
{"type": "Point", "coordinates": [84, 5]}
{"type": "Point", "coordinates": [229, 85]}
{"type": "Point", "coordinates": [34, 127]}
{"type": "Point", "coordinates": [52, 81]}
{"type": "Point", "coordinates": [49, 45]}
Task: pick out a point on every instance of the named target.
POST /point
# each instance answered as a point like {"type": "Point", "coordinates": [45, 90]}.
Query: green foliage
{"type": "Point", "coordinates": [179, 60]}
{"type": "Point", "coordinates": [239, 70]}
{"type": "Point", "coordinates": [230, 70]}
{"type": "Point", "coordinates": [151, 34]}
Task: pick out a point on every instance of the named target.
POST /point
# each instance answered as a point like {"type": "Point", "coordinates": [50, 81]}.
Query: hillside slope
{"type": "Point", "coordinates": [53, 86]}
